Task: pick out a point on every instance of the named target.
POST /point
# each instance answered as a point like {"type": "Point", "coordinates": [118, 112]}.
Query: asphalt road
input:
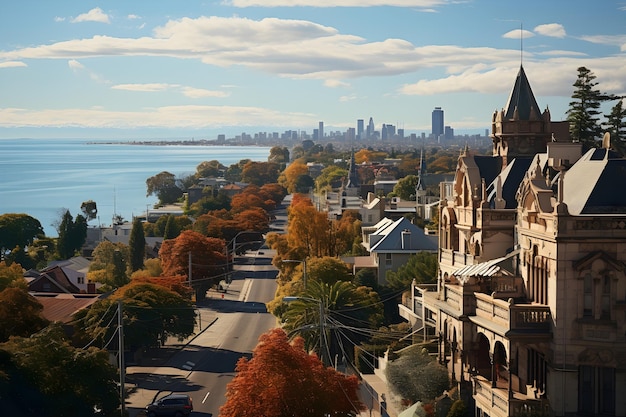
{"type": "Point", "coordinates": [204, 366]}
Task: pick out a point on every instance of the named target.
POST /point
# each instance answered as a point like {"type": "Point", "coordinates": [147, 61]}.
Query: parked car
{"type": "Point", "coordinates": [175, 405]}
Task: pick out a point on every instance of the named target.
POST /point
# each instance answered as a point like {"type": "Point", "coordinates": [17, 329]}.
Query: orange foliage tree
{"type": "Point", "coordinates": [282, 379]}
{"type": "Point", "coordinates": [291, 174]}
{"type": "Point", "coordinates": [308, 228]}
{"type": "Point", "coordinates": [208, 259]}
{"type": "Point", "coordinates": [175, 283]}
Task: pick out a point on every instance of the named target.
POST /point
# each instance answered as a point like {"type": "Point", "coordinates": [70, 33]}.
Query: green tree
{"type": "Point", "coordinates": [584, 109]}
{"type": "Point", "coordinates": [151, 314]}
{"type": "Point", "coordinates": [279, 155]}
{"type": "Point", "coordinates": [48, 377]}
{"type": "Point", "coordinates": [20, 314]}
{"type": "Point", "coordinates": [405, 187]}
{"type": "Point", "coordinates": [18, 229]}
{"type": "Point", "coordinates": [616, 126]}
{"type": "Point", "coordinates": [329, 177]}
{"type": "Point", "coordinates": [416, 376]}
{"type": "Point", "coordinates": [421, 267]}
{"type": "Point", "coordinates": [171, 230]}
{"type": "Point", "coordinates": [72, 235]}
{"type": "Point", "coordinates": [110, 264]}
{"type": "Point", "coordinates": [163, 185]}
{"type": "Point", "coordinates": [137, 245]}
{"type": "Point", "coordinates": [209, 169]}
{"type": "Point", "coordinates": [331, 316]}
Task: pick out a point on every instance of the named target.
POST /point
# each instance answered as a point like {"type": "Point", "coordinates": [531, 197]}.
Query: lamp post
{"type": "Point", "coordinates": [303, 262]}
{"type": "Point", "coordinates": [322, 321]}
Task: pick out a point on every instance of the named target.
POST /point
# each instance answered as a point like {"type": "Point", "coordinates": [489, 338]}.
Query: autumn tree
{"type": "Point", "coordinates": [584, 109]}
{"type": "Point", "coordinates": [47, 376]}
{"type": "Point", "coordinates": [206, 254]}
{"type": "Point", "coordinates": [72, 235]}
{"type": "Point", "coordinates": [308, 228]}
{"type": "Point", "coordinates": [290, 175]}
{"type": "Point", "coordinates": [20, 314]}
{"type": "Point", "coordinates": [330, 177]}
{"type": "Point", "coordinates": [151, 313]}
{"type": "Point", "coordinates": [259, 173]}
{"type": "Point", "coordinates": [11, 276]}
{"type": "Point", "coordinates": [421, 267]}
{"type": "Point", "coordinates": [18, 229]}
{"type": "Point", "coordinates": [163, 185]}
{"type": "Point", "coordinates": [416, 376]}
{"type": "Point", "coordinates": [137, 245]}
{"type": "Point", "coordinates": [282, 379]}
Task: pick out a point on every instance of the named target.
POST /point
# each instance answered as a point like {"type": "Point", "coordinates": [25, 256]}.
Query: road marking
{"type": "Point", "coordinates": [206, 396]}
{"type": "Point", "coordinates": [188, 366]}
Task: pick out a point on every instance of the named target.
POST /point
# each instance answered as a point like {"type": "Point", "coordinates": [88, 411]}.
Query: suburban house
{"type": "Point", "coordinates": [390, 243]}
{"type": "Point", "coordinates": [529, 310]}
{"type": "Point", "coordinates": [67, 276]}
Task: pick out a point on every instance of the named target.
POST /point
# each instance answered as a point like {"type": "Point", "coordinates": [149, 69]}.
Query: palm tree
{"type": "Point", "coordinates": [330, 316]}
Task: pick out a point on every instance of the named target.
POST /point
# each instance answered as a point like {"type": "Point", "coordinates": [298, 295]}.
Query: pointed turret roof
{"type": "Point", "coordinates": [522, 101]}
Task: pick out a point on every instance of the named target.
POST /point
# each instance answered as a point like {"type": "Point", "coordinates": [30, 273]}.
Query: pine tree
{"type": "Point", "coordinates": [616, 126]}
{"type": "Point", "coordinates": [583, 113]}
{"type": "Point", "coordinates": [137, 244]}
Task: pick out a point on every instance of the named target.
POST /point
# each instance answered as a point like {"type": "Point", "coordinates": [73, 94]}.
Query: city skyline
{"type": "Point", "coordinates": [199, 69]}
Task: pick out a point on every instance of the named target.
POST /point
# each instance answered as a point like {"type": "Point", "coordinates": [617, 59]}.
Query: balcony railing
{"type": "Point", "coordinates": [496, 401]}
{"type": "Point", "coordinates": [513, 316]}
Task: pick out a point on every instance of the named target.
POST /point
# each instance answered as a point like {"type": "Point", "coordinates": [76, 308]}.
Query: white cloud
{"type": "Point", "coordinates": [59, 19]}
{"type": "Point", "coordinates": [12, 64]}
{"type": "Point", "coordinates": [336, 83]}
{"type": "Point", "coordinates": [554, 30]}
{"type": "Point", "coordinates": [161, 117]}
{"type": "Point", "coordinates": [347, 98]}
{"type": "Point", "coordinates": [517, 33]}
{"type": "Point", "coordinates": [75, 65]}
{"type": "Point", "coordinates": [148, 87]}
{"type": "Point", "coordinates": [201, 93]}
{"type": "Point", "coordinates": [336, 3]}
{"type": "Point", "coordinates": [94, 15]}
{"type": "Point", "coordinates": [612, 40]}
{"type": "Point", "coordinates": [133, 17]}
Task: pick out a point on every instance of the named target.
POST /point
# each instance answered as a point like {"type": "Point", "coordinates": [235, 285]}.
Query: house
{"type": "Point", "coordinates": [67, 276]}
{"type": "Point", "coordinates": [528, 312]}
{"type": "Point", "coordinates": [390, 244]}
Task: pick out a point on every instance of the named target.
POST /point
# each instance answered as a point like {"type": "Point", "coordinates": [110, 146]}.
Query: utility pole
{"type": "Point", "coordinates": [120, 334]}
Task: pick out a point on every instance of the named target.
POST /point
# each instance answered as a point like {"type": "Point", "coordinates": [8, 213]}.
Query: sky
{"type": "Point", "coordinates": [180, 69]}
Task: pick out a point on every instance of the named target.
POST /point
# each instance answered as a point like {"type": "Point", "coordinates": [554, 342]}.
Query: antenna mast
{"type": "Point", "coordinates": [521, 44]}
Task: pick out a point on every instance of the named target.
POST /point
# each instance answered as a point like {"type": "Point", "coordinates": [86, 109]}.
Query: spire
{"type": "Point", "coordinates": [522, 101]}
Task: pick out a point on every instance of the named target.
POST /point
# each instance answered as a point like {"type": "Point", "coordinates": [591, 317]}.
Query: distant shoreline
{"type": "Point", "coordinates": [203, 142]}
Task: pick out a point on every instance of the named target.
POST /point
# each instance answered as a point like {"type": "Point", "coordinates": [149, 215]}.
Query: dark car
{"type": "Point", "coordinates": [177, 405]}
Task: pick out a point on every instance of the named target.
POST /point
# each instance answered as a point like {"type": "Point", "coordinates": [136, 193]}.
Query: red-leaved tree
{"type": "Point", "coordinates": [282, 379]}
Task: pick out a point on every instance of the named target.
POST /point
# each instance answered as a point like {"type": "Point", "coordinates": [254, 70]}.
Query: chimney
{"type": "Point", "coordinates": [406, 239]}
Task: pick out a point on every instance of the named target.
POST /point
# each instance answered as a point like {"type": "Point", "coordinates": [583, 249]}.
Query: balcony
{"type": "Point", "coordinates": [505, 318]}
{"type": "Point", "coordinates": [455, 258]}
{"type": "Point", "coordinates": [499, 402]}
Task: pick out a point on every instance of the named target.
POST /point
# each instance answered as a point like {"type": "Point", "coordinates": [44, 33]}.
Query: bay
{"type": "Point", "coordinates": [42, 177]}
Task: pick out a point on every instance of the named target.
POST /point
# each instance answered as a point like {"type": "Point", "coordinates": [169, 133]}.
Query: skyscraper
{"type": "Point", "coordinates": [437, 122]}
{"type": "Point", "coordinates": [370, 128]}
{"type": "Point", "coordinates": [360, 125]}
{"type": "Point", "coordinates": [321, 130]}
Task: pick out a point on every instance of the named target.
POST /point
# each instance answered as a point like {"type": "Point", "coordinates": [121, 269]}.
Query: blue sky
{"type": "Point", "coordinates": [157, 68]}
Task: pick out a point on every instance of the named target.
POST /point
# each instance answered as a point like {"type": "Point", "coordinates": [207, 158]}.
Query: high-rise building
{"type": "Point", "coordinates": [350, 134]}
{"type": "Point", "coordinates": [320, 131]}
{"type": "Point", "coordinates": [360, 126]}
{"type": "Point", "coordinates": [437, 122]}
{"type": "Point", "coordinates": [370, 128]}
{"type": "Point", "coordinates": [448, 133]}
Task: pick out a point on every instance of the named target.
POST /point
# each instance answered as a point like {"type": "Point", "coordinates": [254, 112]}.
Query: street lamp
{"type": "Point", "coordinates": [298, 261]}
{"type": "Point", "coordinates": [322, 320]}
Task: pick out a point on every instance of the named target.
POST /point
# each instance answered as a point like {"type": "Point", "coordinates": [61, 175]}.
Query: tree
{"type": "Point", "coordinates": [72, 235]}
{"type": "Point", "coordinates": [279, 155]}
{"type": "Point", "coordinates": [281, 379]}
{"type": "Point", "coordinates": [171, 231]}
{"type": "Point", "coordinates": [206, 254]}
{"type": "Point", "coordinates": [347, 313]}
{"type": "Point", "coordinates": [405, 188]}
{"type": "Point", "coordinates": [163, 185]}
{"type": "Point", "coordinates": [330, 177]}
{"type": "Point", "coordinates": [208, 169]}
{"type": "Point", "coordinates": [18, 229]}
{"type": "Point", "coordinates": [20, 314]}
{"type": "Point", "coordinates": [151, 314]}
{"type": "Point", "coordinates": [415, 376]}
{"type": "Point", "coordinates": [421, 267]}
{"type": "Point", "coordinates": [137, 245]}
{"type": "Point", "coordinates": [616, 126]}
{"type": "Point", "coordinates": [110, 264]}
{"type": "Point", "coordinates": [583, 111]}
{"type": "Point", "coordinates": [11, 276]}
{"type": "Point", "coordinates": [290, 175]}
{"type": "Point", "coordinates": [259, 173]}
{"type": "Point", "coordinates": [89, 209]}
{"type": "Point", "coordinates": [48, 377]}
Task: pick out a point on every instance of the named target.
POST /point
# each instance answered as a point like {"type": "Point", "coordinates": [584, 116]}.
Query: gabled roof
{"type": "Point", "coordinates": [62, 307]}
{"type": "Point", "coordinates": [389, 238]}
{"type": "Point", "coordinates": [590, 184]}
{"type": "Point", "coordinates": [521, 99]}
{"type": "Point", "coordinates": [510, 177]}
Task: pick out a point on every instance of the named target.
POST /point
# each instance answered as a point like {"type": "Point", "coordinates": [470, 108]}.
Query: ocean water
{"type": "Point", "coordinates": [42, 177]}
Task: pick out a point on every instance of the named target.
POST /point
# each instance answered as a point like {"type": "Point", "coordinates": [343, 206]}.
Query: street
{"type": "Point", "coordinates": [203, 367]}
